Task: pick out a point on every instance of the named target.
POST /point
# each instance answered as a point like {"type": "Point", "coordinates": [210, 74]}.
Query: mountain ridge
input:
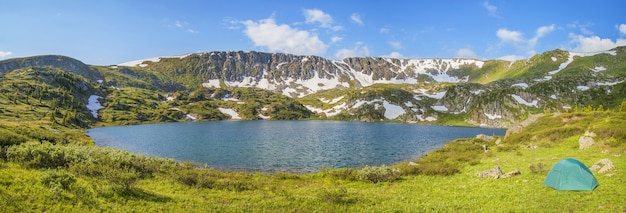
{"type": "Point", "coordinates": [492, 93]}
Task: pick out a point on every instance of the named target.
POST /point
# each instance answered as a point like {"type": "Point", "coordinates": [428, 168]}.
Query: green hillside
{"type": "Point", "coordinates": [48, 164]}
{"type": "Point", "coordinates": [45, 177]}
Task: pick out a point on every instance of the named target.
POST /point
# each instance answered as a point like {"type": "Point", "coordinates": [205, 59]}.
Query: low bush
{"type": "Point", "coordinates": [407, 168]}
{"type": "Point", "coordinates": [41, 155]}
{"type": "Point", "coordinates": [441, 169]}
{"type": "Point", "coordinates": [334, 195]}
{"type": "Point", "coordinates": [375, 174]}
{"type": "Point", "coordinates": [8, 138]}
{"type": "Point", "coordinates": [538, 168]}
{"type": "Point", "coordinates": [57, 180]}
{"type": "Point", "coordinates": [344, 173]}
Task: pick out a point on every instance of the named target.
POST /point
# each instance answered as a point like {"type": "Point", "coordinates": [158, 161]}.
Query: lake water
{"type": "Point", "coordinates": [294, 146]}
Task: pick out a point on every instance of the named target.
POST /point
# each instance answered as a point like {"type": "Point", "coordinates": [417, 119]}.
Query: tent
{"type": "Point", "coordinates": [570, 174]}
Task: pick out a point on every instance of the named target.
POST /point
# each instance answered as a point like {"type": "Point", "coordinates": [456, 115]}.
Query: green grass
{"type": "Point", "coordinates": [179, 187]}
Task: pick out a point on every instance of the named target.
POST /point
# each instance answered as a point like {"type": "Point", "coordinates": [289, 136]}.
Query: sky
{"type": "Point", "coordinates": [107, 32]}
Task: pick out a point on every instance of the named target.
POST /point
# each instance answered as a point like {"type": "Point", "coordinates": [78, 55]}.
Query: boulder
{"type": "Point", "coordinates": [511, 174]}
{"type": "Point", "coordinates": [497, 173]}
{"type": "Point", "coordinates": [585, 142]}
{"type": "Point", "coordinates": [494, 173]}
{"type": "Point", "coordinates": [603, 166]}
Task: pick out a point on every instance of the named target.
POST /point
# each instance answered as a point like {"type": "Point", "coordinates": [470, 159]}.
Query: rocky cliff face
{"type": "Point", "coordinates": [298, 76]}
{"type": "Point", "coordinates": [488, 93]}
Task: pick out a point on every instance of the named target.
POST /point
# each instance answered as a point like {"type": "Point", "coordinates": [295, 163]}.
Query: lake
{"type": "Point", "coordinates": [291, 146]}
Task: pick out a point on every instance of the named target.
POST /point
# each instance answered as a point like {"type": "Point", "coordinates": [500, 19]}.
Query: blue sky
{"type": "Point", "coordinates": [111, 32]}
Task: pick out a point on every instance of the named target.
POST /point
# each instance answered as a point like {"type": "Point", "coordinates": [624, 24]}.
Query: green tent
{"type": "Point", "coordinates": [570, 174]}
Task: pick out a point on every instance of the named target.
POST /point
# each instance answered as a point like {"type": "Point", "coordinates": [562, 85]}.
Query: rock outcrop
{"type": "Point", "coordinates": [497, 173]}
{"type": "Point", "coordinates": [603, 166]}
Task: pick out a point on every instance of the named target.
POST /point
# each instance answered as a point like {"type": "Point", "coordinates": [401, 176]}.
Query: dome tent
{"type": "Point", "coordinates": [570, 174]}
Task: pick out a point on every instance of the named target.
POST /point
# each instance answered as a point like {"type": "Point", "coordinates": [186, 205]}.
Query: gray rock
{"type": "Point", "coordinates": [585, 142]}
{"type": "Point", "coordinates": [496, 172]}
{"type": "Point", "coordinates": [603, 166]}
{"type": "Point", "coordinates": [511, 174]}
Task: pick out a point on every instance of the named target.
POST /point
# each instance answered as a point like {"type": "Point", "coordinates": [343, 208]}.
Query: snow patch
{"type": "Point", "coordinates": [582, 88]}
{"type": "Point", "coordinates": [520, 100]}
{"type": "Point", "coordinates": [100, 81]}
{"type": "Point", "coordinates": [598, 69]}
{"type": "Point", "coordinates": [264, 117]}
{"type": "Point", "coordinates": [493, 116]}
{"type": "Point", "coordinates": [188, 116]}
{"type": "Point", "coordinates": [438, 95]}
{"type": "Point", "coordinates": [335, 100]}
{"type": "Point", "coordinates": [440, 108]}
{"type": "Point", "coordinates": [554, 58]}
{"type": "Point", "coordinates": [392, 111]}
{"type": "Point", "coordinates": [476, 92]}
{"type": "Point", "coordinates": [522, 85]}
{"type": "Point", "coordinates": [155, 59]}
{"type": "Point", "coordinates": [94, 105]}
{"type": "Point", "coordinates": [553, 96]}
{"type": "Point", "coordinates": [609, 83]}
{"type": "Point", "coordinates": [212, 83]}
{"type": "Point", "coordinates": [233, 114]}
{"type": "Point", "coordinates": [430, 118]}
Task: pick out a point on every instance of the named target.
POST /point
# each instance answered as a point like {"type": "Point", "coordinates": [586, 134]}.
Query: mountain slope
{"type": "Point", "coordinates": [444, 91]}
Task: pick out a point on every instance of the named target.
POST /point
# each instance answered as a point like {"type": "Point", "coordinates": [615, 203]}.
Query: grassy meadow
{"type": "Point", "coordinates": [44, 177]}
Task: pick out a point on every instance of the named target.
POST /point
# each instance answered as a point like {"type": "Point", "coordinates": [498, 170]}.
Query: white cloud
{"type": "Point", "coordinates": [594, 43]}
{"type": "Point", "coordinates": [509, 36]}
{"type": "Point", "coordinates": [517, 40]}
{"type": "Point", "coordinates": [540, 32]}
{"type": "Point", "coordinates": [512, 57]}
{"type": "Point", "coordinates": [283, 38]}
{"type": "Point", "coordinates": [384, 30]}
{"type": "Point", "coordinates": [491, 9]}
{"type": "Point", "coordinates": [582, 27]}
{"type": "Point", "coordinates": [336, 28]}
{"type": "Point", "coordinates": [231, 23]}
{"type": "Point", "coordinates": [5, 54]}
{"type": "Point", "coordinates": [466, 53]}
{"type": "Point", "coordinates": [318, 16]}
{"type": "Point", "coordinates": [180, 24]}
{"type": "Point", "coordinates": [358, 50]}
{"type": "Point", "coordinates": [335, 39]}
{"type": "Point", "coordinates": [395, 44]}
{"type": "Point", "coordinates": [356, 18]}
{"type": "Point", "coordinates": [622, 29]}
{"type": "Point", "coordinates": [394, 55]}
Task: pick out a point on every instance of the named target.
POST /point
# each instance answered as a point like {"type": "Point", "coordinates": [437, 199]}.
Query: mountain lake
{"type": "Point", "coordinates": [289, 146]}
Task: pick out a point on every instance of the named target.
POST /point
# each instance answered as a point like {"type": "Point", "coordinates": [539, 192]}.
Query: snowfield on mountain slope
{"type": "Point", "coordinates": [155, 59]}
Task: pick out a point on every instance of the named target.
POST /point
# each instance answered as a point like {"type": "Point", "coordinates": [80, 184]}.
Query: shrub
{"type": "Point", "coordinates": [408, 168]}
{"type": "Point", "coordinates": [377, 174]}
{"type": "Point", "coordinates": [57, 180]}
{"type": "Point", "coordinates": [196, 178]}
{"type": "Point", "coordinates": [41, 155]}
{"type": "Point", "coordinates": [334, 195]}
{"type": "Point", "coordinates": [538, 168]}
{"type": "Point", "coordinates": [442, 168]}
{"type": "Point", "coordinates": [122, 177]}
{"type": "Point", "coordinates": [344, 173]}
{"type": "Point", "coordinates": [8, 138]}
